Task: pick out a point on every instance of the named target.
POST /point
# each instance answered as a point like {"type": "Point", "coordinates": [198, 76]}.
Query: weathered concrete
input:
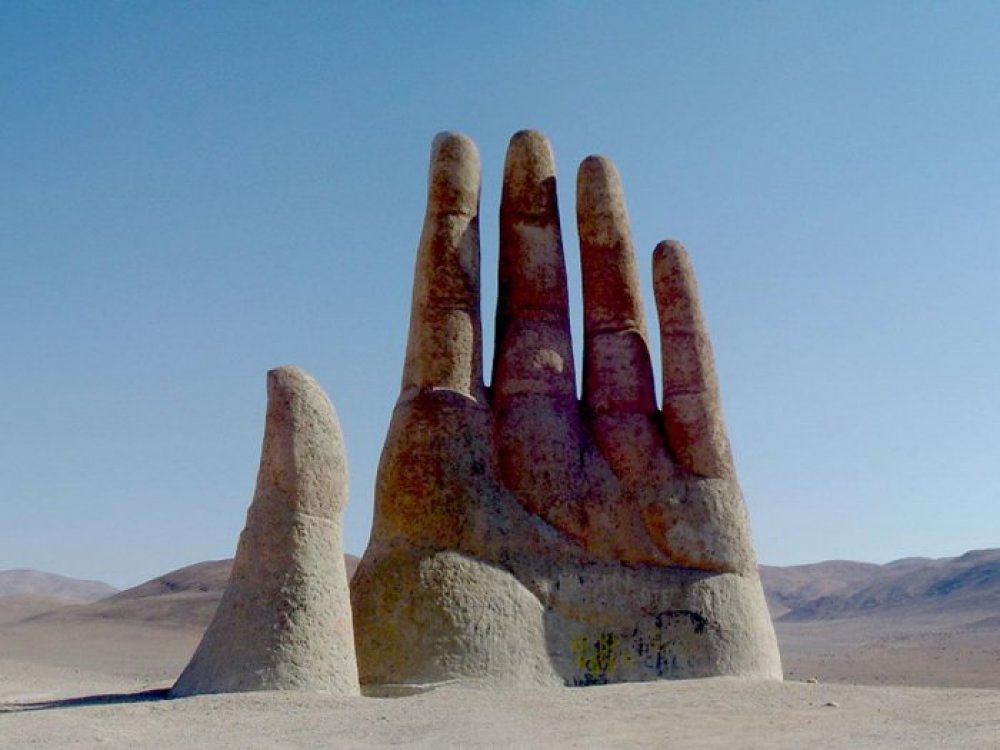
{"type": "Point", "coordinates": [284, 622]}
{"type": "Point", "coordinates": [522, 534]}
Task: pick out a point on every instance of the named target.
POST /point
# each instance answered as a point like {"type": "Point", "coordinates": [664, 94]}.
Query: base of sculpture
{"type": "Point", "coordinates": [430, 616]}
{"type": "Point", "coordinates": [283, 622]}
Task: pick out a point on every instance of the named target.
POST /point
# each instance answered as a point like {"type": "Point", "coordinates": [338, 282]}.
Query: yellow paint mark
{"type": "Point", "coordinates": [596, 659]}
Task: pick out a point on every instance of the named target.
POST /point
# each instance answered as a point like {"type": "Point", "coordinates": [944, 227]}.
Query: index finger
{"type": "Point", "coordinates": [444, 348]}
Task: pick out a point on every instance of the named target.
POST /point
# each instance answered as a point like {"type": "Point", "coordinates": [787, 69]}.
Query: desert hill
{"type": "Point", "coordinates": [185, 597]}
{"type": "Point", "coordinates": [206, 577]}
{"type": "Point", "coordinates": [203, 577]}
{"type": "Point", "coordinates": [36, 583]}
{"type": "Point", "coordinates": [951, 586]}
{"type": "Point", "coordinates": [790, 588]}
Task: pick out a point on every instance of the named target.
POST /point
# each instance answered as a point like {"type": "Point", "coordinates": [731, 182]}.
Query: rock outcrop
{"type": "Point", "coordinates": [284, 621]}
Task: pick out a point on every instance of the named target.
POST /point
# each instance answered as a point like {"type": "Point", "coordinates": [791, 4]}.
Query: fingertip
{"type": "Point", "coordinates": [610, 279]}
{"type": "Point", "coordinates": [598, 169]}
{"type": "Point", "coordinates": [288, 383]}
{"type": "Point", "coordinates": [529, 176]}
{"type": "Point", "coordinates": [602, 217]}
{"type": "Point", "coordinates": [285, 380]}
{"type": "Point", "coordinates": [671, 252]}
{"type": "Point", "coordinates": [674, 285]}
{"type": "Point", "coordinates": [452, 141]}
{"type": "Point", "coordinates": [453, 179]}
{"type": "Point", "coordinates": [529, 140]}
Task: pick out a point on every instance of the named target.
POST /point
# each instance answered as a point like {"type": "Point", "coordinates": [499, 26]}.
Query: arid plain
{"type": "Point", "coordinates": [901, 655]}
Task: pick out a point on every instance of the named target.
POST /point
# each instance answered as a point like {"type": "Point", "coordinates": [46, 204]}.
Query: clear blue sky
{"type": "Point", "coordinates": [192, 193]}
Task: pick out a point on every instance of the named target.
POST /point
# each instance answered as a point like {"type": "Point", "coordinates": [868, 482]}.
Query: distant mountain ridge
{"type": "Point", "coordinates": [968, 583]}
{"type": "Point", "coordinates": [966, 586]}
{"type": "Point", "coordinates": [22, 582]}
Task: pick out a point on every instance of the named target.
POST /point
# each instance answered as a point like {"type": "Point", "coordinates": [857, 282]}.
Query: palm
{"type": "Point", "coordinates": [529, 481]}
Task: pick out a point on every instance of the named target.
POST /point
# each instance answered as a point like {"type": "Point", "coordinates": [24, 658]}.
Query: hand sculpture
{"type": "Point", "coordinates": [522, 534]}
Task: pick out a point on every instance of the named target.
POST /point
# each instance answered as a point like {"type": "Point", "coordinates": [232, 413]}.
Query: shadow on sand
{"type": "Point", "coordinates": [106, 699]}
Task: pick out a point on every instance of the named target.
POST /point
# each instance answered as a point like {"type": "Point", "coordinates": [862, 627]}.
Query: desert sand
{"type": "Point", "coordinates": [96, 675]}
{"type": "Point", "coordinates": [713, 713]}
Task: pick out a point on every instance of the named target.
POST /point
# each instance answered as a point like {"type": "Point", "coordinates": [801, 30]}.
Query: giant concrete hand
{"type": "Point", "coordinates": [522, 534]}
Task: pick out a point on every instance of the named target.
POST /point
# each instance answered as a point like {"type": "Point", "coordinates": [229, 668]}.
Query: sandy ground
{"type": "Point", "coordinates": [941, 651]}
{"type": "Point", "coordinates": [721, 713]}
{"type": "Point", "coordinates": [67, 681]}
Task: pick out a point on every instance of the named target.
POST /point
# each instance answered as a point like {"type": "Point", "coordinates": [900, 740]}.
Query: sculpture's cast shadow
{"type": "Point", "coordinates": [103, 699]}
